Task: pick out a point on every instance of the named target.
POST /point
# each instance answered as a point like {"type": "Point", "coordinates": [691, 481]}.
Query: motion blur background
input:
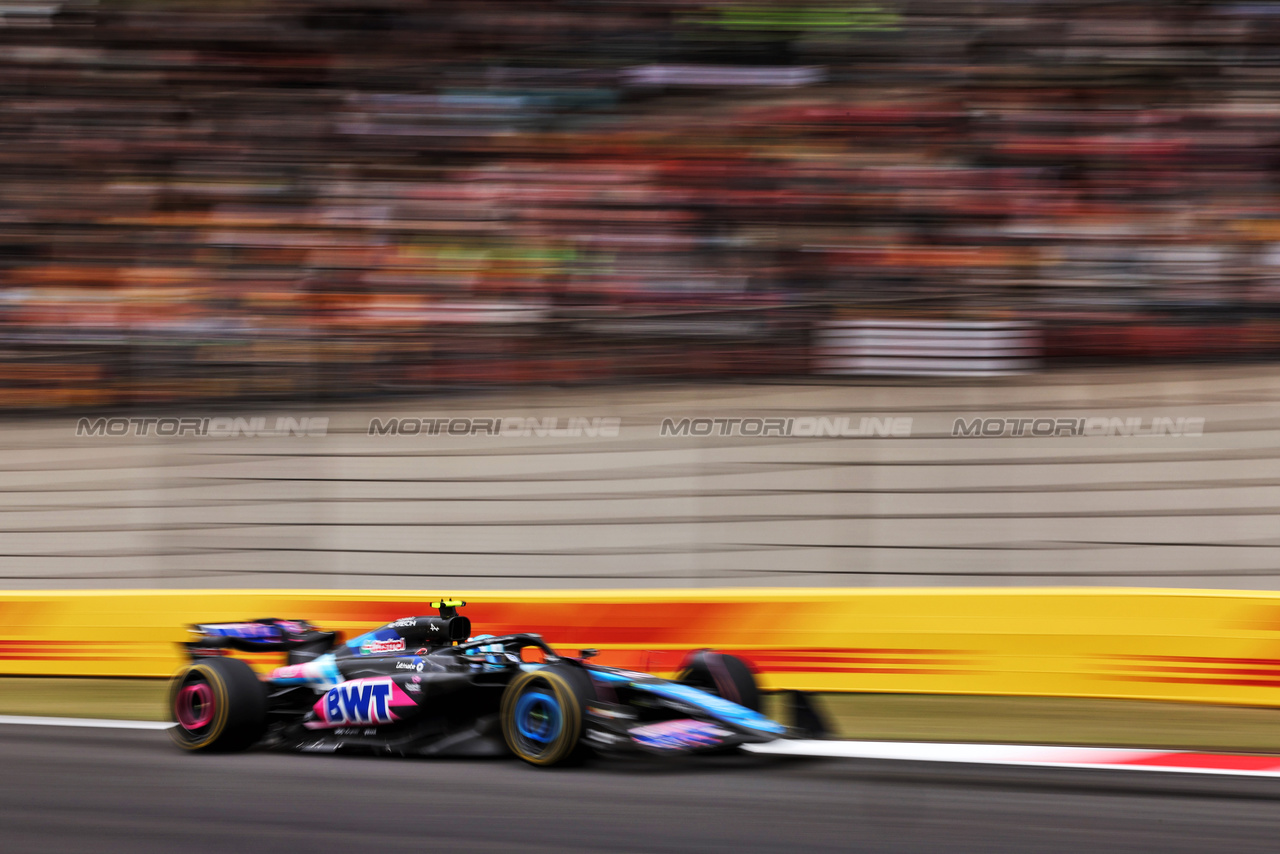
{"type": "Point", "coordinates": [639, 210]}
{"type": "Point", "coordinates": [282, 198]}
{"type": "Point", "coordinates": [550, 209]}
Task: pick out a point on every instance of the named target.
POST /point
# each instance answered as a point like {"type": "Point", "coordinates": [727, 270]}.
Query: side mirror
{"type": "Point", "coordinates": [588, 653]}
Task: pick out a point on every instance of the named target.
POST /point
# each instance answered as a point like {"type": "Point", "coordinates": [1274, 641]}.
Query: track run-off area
{"type": "Point", "coordinates": [82, 788]}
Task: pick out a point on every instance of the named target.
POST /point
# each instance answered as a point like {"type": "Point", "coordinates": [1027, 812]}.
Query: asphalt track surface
{"type": "Point", "coordinates": [85, 790]}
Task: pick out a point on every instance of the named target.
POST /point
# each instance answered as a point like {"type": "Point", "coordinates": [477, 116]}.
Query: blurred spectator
{"type": "Point", "coordinates": [279, 197]}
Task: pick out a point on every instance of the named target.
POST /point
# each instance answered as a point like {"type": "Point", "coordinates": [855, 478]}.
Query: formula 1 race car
{"type": "Point", "coordinates": [424, 685]}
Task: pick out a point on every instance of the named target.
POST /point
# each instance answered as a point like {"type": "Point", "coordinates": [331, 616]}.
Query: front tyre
{"type": "Point", "coordinates": [723, 675]}
{"type": "Point", "coordinates": [217, 705]}
{"type": "Point", "coordinates": [542, 715]}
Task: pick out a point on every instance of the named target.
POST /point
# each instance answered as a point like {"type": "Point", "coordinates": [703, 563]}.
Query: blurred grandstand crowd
{"type": "Point", "coordinates": [298, 197]}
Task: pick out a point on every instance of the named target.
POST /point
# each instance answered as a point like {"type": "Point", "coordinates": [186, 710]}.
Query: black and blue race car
{"type": "Point", "coordinates": [424, 685]}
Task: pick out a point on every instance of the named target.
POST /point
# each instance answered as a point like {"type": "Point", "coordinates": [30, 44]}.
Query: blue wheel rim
{"type": "Point", "coordinates": [538, 718]}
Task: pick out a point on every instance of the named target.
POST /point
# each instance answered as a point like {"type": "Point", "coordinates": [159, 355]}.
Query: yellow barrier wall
{"type": "Point", "coordinates": [1207, 646]}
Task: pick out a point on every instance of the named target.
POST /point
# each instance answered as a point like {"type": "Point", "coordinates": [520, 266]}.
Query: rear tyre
{"type": "Point", "coordinates": [542, 715]}
{"type": "Point", "coordinates": [724, 675]}
{"type": "Point", "coordinates": [217, 705]}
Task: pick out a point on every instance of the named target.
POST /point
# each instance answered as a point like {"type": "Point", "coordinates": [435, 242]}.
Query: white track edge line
{"type": "Point", "coordinates": [97, 723]}
{"type": "Point", "coordinates": [876, 750]}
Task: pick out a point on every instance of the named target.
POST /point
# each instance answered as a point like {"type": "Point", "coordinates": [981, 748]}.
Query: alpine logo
{"type": "Point", "coordinates": [371, 647]}
{"type": "Point", "coordinates": [365, 701]}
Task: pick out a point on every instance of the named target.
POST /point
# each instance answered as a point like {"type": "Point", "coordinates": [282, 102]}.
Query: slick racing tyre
{"type": "Point", "coordinates": [218, 705]}
{"type": "Point", "coordinates": [542, 714]}
{"type": "Point", "coordinates": [722, 675]}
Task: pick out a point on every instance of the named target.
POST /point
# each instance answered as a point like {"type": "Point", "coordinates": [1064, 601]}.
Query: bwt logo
{"type": "Point", "coordinates": [361, 702]}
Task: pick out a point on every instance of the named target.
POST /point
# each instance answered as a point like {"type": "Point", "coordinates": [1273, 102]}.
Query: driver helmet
{"type": "Point", "coordinates": [492, 651]}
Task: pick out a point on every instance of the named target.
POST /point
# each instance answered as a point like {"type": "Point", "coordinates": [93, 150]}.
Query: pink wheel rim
{"type": "Point", "coordinates": [194, 706]}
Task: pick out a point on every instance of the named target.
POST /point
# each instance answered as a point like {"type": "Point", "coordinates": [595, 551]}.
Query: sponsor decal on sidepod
{"type": "Point", "coordinates": [360, 701]}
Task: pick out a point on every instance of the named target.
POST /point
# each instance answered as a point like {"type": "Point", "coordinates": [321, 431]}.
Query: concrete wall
{"type": "Point", "coordinates": [408, 512]}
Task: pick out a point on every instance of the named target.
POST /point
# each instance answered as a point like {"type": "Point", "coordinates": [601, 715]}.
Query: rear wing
{"type": "Point", "coordinates": [298, 638]}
